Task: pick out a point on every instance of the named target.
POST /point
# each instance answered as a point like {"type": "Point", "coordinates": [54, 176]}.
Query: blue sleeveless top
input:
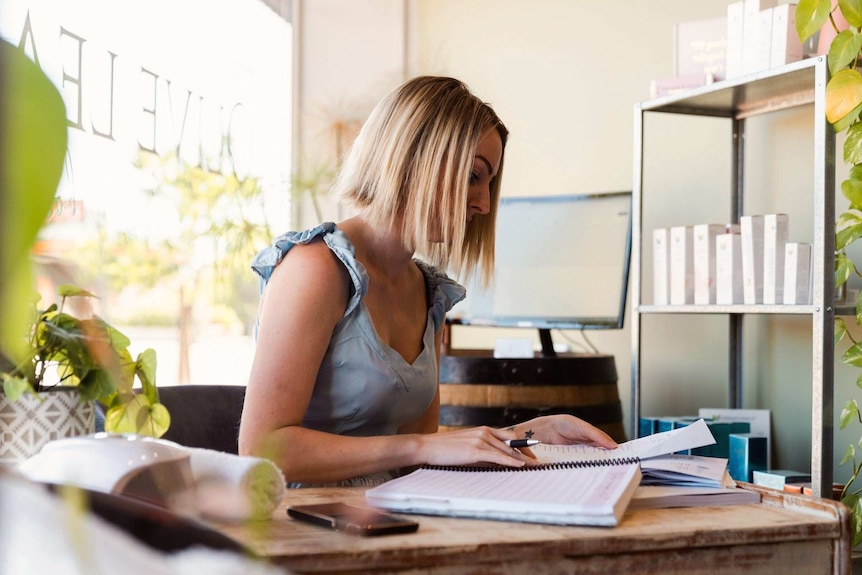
{"type": "Point", "coordinates": [364, 387]}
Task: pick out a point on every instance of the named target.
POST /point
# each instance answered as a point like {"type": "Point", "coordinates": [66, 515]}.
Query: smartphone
{"type": "Point", "coordinates": [352, 519]}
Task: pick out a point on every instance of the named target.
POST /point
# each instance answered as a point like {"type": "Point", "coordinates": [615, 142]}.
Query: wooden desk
{"type": "Point", "coordinates": [784, 535]}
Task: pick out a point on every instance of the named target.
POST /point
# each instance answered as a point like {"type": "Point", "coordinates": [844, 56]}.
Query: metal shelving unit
{"type": "Point", "coordinates": [799, 84]}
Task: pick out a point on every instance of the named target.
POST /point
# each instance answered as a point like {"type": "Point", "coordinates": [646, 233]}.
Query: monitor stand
{"type": "Point", "coordinates": [547, 343]}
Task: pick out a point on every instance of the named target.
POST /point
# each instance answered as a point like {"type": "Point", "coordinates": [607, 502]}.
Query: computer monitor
{"type": "Point", "coordinates": [562, 262]}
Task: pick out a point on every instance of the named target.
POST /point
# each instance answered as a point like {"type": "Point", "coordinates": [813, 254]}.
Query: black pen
{"type": "Point", "coordinates": [521, 442]}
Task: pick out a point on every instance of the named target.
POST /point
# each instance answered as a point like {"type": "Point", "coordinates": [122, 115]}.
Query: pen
{"type": "Point", "coordinates": [521, 442]}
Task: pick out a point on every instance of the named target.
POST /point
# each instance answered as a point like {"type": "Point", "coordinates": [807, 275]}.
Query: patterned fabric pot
{"type": "Point", "coordinates": [30, 422]}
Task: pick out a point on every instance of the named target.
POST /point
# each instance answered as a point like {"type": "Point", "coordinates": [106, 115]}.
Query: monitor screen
{"type": "Point", "coordinates": [562, 262]}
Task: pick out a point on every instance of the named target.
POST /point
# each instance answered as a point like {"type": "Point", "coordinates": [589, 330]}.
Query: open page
{"type": "Point", "coordinates": [689, 437]}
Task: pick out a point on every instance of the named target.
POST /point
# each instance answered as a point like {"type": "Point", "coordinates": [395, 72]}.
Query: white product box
{"type": "Point", "coordinates": [728, 269]}
{"type": "Point", "coordinates": [774, 237]}
{"type": "Point", "coordinates": [756, 34]}
{"type": "Point", "coordinates": [733, 52]}
{"type": "Point", "coordinates": [704, 261]}
{"type": "Point", "coordinates": [661, 266]}
{"type": "Point", "coordinates": [751, 230]}
{"type": "Point", "coordinates": [797, 273]}
{"type": "Point", "coordinates": [759, 56]}
{"type": "Point", "coordinates": [786, 45]}
{"type": "Point", "coordinates": [681, 265]}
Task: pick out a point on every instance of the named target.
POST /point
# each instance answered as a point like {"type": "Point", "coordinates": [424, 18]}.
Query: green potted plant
{"type": "Point", "coordinates": [844, 112]}
{"type": "Point", "coordinates": [53, 366]}
{"type": "Point", "coordinates": [89, 357]}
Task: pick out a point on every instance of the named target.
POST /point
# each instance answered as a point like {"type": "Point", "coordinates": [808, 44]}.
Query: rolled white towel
{"type": "Point", "coordinates": [235, 487]}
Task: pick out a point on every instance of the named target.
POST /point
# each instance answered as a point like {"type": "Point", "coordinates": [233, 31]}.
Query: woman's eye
{"type": "Point", "coordinates": [474, 177]}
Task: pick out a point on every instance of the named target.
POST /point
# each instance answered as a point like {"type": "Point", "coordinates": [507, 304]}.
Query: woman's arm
{"type": "Point", "coordinates": [304, 300]}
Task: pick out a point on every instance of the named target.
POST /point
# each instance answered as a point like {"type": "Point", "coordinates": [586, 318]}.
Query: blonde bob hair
{"type": "Point", "coordinates": [412, 162]}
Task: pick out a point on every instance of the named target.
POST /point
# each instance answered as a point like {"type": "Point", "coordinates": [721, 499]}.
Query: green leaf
{"type": "Point", "coordinates": [849, 453]}
{"type": "Point", "coordinates": [119, 340]}
{"type": "Point", "coordinates": [852, 11]}
{"type": "Point", "coordinates": [97, 384]}
{"type": "Point", "coordinates": [849, 414]}
{"type": "Point", "coordinates": [15, 387]}
{"type": "Point", "coordinates": [156, 421]}
{"type": "Point", "coordinates": [859, 308]}
{"type": "Point", "coordinates": [852, 190]}
{"type": "Point", "coordinates": [844, 50]}
{"type": "Point", "coordinates": [33, 117]}
{"type": "Point", "coordinates": [853, 147]}
{"type": "Point", "coordinates": [853, 356]}
{"type": "Point", "coordinates": [843, 94]}
{"type": "Point", "coordinates": [848, 228]}
{"type": "Point", "coordinates": [854, 503]}
{"type": "Point", "coordinates": [840, 330]}
{"type": "Point", "coordinates": [843, 268]}
{"type": "Point", "coordinates": [848, 120]}
{"type": "Point", "coordinates": [69, 290]}
{"type": "Point", "coordinates": [145, 369]}
{"type": "Point", "coordinates": [811, 15]}
{"type": "Point", "coordinates": [139, 416]}
{"type": "Point", "coordinates": [859, 385]}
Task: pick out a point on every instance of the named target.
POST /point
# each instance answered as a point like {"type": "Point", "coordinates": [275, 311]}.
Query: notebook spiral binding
{"type": "Point", "coordinates": [542, 467]}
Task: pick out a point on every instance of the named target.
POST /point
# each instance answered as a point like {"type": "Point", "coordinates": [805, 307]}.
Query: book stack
{"type": "Point", "coordinates": [572, 484]}
{"type": "Point", "coordinates": [741, 437]}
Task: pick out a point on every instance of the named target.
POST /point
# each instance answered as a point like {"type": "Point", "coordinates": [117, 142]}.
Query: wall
{"type": "Point", "coordinates": [350, 53]}
{"type": "Point", "coordinates": [564, 75]}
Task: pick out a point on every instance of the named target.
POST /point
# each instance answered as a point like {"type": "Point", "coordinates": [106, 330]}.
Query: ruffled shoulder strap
{"type": "Point", "coordinates": [445, 292]}
{"type": "Point", "coordinates": [268, 258]}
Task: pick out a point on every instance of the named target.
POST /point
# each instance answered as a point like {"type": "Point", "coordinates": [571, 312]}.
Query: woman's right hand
{"type": "Point", "coordinates": [476, 445]}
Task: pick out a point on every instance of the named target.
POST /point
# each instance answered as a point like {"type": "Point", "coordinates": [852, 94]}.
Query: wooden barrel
{"type": "Point", "coordinates": [478, 389]}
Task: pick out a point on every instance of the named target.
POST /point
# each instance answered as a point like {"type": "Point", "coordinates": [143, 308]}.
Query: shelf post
{"type": "Point", "coordinates": [637, 223]}
{"type": "Point", "coordinates": [823, 290]}
{"type": "Point", "coordinates": [737, 207]}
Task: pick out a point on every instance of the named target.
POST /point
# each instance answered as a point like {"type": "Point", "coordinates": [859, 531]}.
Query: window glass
{"type": "Point", "coordinates": [178, 168]}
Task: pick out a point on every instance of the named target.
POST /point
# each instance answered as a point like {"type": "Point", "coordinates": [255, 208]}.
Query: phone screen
{"type": "Point", "coordinates": [352, 519]}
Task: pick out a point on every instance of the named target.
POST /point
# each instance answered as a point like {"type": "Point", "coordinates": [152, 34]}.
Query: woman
{"type": "Point", "coordinates": [344, 384]}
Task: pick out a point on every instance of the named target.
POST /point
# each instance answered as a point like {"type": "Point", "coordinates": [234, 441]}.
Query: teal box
{"type": "Point", "coordinates": [748, 453]}
{"type": "Point", "coordinates": [721, 432]}
{"type": "Point", "coordinates": [647, 426]}
{"type": "Point", "coordinates": [668, 422]}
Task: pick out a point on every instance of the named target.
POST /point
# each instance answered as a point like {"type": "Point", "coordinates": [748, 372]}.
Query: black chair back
{"type": "Point", "coordinates": [204, 415]}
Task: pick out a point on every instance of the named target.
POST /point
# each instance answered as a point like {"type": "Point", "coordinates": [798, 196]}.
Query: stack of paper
{"type": "Point", "coordinates": [572, 484]}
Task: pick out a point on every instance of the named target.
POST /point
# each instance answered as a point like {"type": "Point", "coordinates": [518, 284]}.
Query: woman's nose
{"type": "Point", "coordinates": [481, 202]}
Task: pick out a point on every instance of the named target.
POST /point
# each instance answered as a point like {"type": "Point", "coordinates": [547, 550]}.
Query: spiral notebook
{"type": "Point", "coordinates": [572, 485]}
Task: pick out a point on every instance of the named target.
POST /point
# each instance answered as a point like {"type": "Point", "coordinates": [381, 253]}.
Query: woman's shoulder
{"type": "Point", "coordinates": [267, 259]}
{"type": "Point", "coordinates": [318, 246]}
